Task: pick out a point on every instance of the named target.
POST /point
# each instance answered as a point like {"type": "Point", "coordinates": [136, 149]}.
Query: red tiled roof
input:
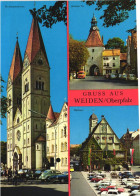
{"type": "Point", "coordinates": [35, 42]}
{"type": "Point", "coordinates": [50, 115]}
{"type": "Point", "coordinates": [123, 56]}
{"type": "Point", "coordinates": [41, 138]}
{"type": "Point", "coordinates": [94, 39]}
{"type": "Point", "coordinates": [16, 65]}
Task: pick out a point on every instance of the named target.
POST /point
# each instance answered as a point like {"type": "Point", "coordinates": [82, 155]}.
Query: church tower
{"type": "Point", "coordinates": [35, 94]}
{"type": "Point", "coordinates": [28, 93]}
{"type": "Point", "coordinates": [14, 93]}
{"type": "Point", "coordinates": [93, 120]}
{"type": "Point", "coordinates": [95, 47]}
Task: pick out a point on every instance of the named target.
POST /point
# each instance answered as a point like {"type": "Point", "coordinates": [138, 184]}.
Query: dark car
{"type": "Point", "coordinates": [61, 178]}
{"type": "Point", "coordinates": [136, 187]}
{"type": "Point", "coordinates": [33, 174]}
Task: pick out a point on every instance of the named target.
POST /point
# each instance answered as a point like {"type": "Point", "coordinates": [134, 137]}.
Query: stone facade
{"type": "Point", "coordinates": [28, 90]}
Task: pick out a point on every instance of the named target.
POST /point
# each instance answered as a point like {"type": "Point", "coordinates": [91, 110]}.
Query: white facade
{"type": "Point", "coordinates": [94, 62]}
{"type": "Point", "coordinates": [57, 140]}
{"type": "Point", "coordinates": [111, 64]}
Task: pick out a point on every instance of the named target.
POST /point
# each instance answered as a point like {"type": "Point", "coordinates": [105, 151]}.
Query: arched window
{"type": "Point", "coordinates": [39, 84]}
{"type": "Point", "coordinates": [65, 146]}
{"type": "Point", "coordinates": [65, 133]}
{"type": "Point", "coordinates": [62, 147]}
{"type": "Point", "coordinates": [61, 132]}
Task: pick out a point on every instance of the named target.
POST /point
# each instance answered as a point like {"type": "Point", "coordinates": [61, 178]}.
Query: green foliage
{"type": "Point", "coordinates": [78, 54]}
{"type": "Point", "coordinates": [116, 43]}
{"type": "Point", "coordinates": [114, 12]}
{"type": "Point", "coordinates": [3, 152]}
{"type": "Point", "coordinates": [75, 151]}
{"type": "Point", "coordinates": [3, 101]}
{"type": "Point", "coordinates": [51, 15]}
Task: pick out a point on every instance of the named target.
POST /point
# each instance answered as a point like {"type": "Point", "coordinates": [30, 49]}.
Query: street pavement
{"type": "Point", "coordinates": [100, 82]}
{"type": "Point", "coordinates": [79, 185]}
{"type": "Point", "coordinates": [33, 188]}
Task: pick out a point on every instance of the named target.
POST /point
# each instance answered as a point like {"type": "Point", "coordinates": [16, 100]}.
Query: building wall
{"type": "Point", "coordinates": [111, 64]}
{"type": "Point", "coordinates": [136, 154]}
{"type": "Point", "coordinates": [95, 58]}
{"type": "Point", "coordinates": [61, 131]}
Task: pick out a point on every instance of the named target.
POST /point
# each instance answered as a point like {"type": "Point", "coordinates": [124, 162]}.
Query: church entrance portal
{"type": "Point", "coordinates": [15, 161]}
{"type": "Point", "coordinates": [94, 70]}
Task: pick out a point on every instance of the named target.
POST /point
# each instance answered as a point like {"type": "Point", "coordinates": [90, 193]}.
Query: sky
{"type": "Point", "coordinates": [15, 17]}
{"type": "Point", "coordinates": [80, 16]}
{"type": "Point", "coordinates": [119, 118]}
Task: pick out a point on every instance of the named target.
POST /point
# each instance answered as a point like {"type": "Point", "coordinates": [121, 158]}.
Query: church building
{"type": "Point", "coordinates": [28, 93]}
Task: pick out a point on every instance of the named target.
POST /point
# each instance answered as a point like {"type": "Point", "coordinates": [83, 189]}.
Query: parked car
{"type": "Point", "coordinates": [60, 178]}
{"type": "Point", "coordinates": [47, 173]}
{"type": "Point", "coordinates": [135, 192]}
{"type": "Point", "coordinates": [124, 77]}
{"type": "Point", "coordinates": [113, 192]}
{"type": "Point", "coordinates": [97, 179]}
{"type": "Point", "coordinates": [34, 174]}
{"type": "Point", "coordinates": [81, 75]}
{"type": "Point", "coordinates": [73, 74]}
{"type": "Point", "coordinates": [132, 77]}
{"type": "Point", "coordinates": [113, 76]}
{"type": "Point", "coordinates": [136, 187]}
{"type": "Point", "coordinates": [114, 175]}
{"type": "Point", "coordinates": [71, 168]}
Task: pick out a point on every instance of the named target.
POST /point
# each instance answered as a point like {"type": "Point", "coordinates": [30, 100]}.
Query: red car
{"type": "Point", "coordinates": [96, 179]}
{"type": "Point", "coordinates": [120, 190]}
{"type": "Point", "coordinates": [81, 74]}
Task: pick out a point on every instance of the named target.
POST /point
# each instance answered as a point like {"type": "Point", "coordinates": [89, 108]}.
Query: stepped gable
{"type": "Point", "coordinates": [35, 42]}
{"type": "Point", "coordinates": [16, 65]}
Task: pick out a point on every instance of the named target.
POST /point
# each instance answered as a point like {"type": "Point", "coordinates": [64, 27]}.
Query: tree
{"type": "Point", "coordinates": [3, 101]}
{"type": "Point", "coordinates": [51, 15]}
{"type": "Point", "coordinates": [114, 13]}
{"type": "Point", "coordinates": [116, 43]}
{"type": "Point", "coordinates": [78, 54]}
{"type": "Point", "coordinates": [3, 152]}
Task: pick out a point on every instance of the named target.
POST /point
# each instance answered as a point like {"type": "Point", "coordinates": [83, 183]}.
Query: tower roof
{"type": "Point", "coordinates": [50, 115]}
{"type": "Point", "coordinates": [93, 116]}
{"type": "Point", "coordinates": [94, 39]}
{"type": "Point", "coordinates": [16, 65]}
{"type": "Point", "coordinates": [35, 42]}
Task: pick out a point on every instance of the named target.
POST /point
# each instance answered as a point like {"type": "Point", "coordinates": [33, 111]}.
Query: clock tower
{"type": "Point", "coordinates": [95, 47]}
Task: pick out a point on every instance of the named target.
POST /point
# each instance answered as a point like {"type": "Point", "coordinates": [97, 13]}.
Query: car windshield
{"type": "Point", "coordinates": [38, 172]}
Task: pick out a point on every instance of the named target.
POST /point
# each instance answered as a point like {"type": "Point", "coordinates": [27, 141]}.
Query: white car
{"type": "Point", "coordinates": [113, 192]}
{"type": "Point", "coordinates": [135, 192]}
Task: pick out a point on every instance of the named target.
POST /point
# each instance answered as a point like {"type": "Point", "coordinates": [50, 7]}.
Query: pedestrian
{"type": "Point", "coordinates": [15, 177]}
{"type": "Point", "coordinates": [9, 174]}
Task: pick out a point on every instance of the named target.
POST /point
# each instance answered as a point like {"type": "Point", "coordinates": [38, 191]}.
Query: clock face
{"type": "Point", "coordinates": [25, 63]}
{"type": "Point", "coordinates": [94, 28]}
{"type": "Point", "coordinates": [18, 135]}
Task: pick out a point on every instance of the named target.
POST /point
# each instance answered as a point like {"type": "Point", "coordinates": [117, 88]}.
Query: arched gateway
{"type": "Point", "coordinates": [94, 70]}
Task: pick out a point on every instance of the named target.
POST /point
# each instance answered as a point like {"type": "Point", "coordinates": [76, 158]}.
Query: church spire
{"type": "Point", "coordinates": [50, 115]}
{"type": "Point", "coordinates": [16, 65]}
{"type": "Point", "coordinates": [35, 42]}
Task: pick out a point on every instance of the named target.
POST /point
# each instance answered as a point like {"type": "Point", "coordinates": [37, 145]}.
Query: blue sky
{"type": "Point", "coordinates": [80, 16]}
{"type": "Point", "coordinates": [15, 17]}
{"type": "Point", "coordinates": [119, 117]}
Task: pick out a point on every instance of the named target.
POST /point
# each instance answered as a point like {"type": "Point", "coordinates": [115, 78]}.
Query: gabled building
{"type": "Point", "coordinates": [102, 145]}
{"type": "Point", "coordinates": [57, 138]}
{"type": "Point", "coordinates": [111, 61]}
